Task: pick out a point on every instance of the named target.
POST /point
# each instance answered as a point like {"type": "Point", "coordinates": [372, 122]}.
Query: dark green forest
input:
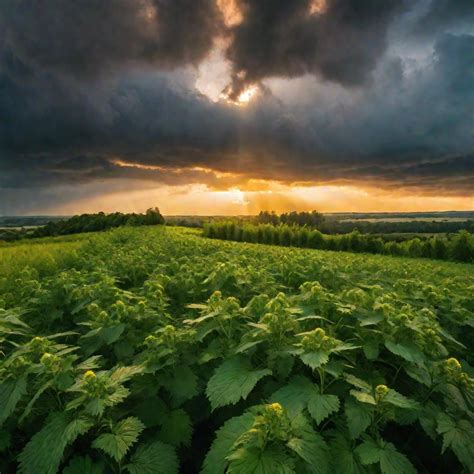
{"type": "Point", "coordinates": [458, 247]}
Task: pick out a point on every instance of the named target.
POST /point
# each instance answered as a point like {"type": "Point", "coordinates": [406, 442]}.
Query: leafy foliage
{"type": "Point", "coordinates": [124, 434]}
{"type": "Point", "coordinates": [293, 231]}
{"type": "Point", "coordinates": [153, 458]}
{"type": "Point", "coordinates": [232, 380]}
{"type": "Point", "coordinates": [44, 451]}
{"type": "Point", "coordinates": [156, 351]}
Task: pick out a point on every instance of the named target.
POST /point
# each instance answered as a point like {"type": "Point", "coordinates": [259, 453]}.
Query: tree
{"type": "Point", "coordinates": [440, 249]}
{"type": "Point", "coordinates": [462, 249]}
{"type": "Point", "coordinates": [153, 217]}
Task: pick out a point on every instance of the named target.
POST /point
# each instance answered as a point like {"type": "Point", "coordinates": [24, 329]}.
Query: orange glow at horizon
{"type": "Point", "coordinates": [253, 196]}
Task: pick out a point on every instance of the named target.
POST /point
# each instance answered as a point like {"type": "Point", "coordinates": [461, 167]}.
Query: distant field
{"type": "Point", "coordinates": [19, 227]}
{"type": "Point", "coordinates": [155, 346]}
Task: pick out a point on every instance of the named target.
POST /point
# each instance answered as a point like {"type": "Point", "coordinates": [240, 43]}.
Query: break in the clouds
{"type": "Point", "coordinates": [359, 92]}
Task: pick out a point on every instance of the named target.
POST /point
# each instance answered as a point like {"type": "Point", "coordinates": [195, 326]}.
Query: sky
{"type": "Point", "coordinates": [236, 106]}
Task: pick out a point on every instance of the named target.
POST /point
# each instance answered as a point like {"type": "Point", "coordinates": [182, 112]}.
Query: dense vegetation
{"type": "Point", "coordinates": [385, 226]}
{"type": "Point", "coordinates": [342, 224]}
{"type": "Point", "coordinates": [154, 350]}
{"type": "Point", "coordinates": [85, 223]}
{"type": "Point", "coordinates": [460, 247]}
{"type": "Point", "coordinates": [394, 227]}
{"type": "Point", "coordinates": [311, 219]}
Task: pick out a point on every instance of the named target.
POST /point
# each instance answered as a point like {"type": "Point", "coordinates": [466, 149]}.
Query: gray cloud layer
{"type": "Point", "coordinates": [83, 84]}
{"type": "Point", "coordinates": [342, 43]}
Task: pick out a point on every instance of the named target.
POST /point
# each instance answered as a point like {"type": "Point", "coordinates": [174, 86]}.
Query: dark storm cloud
{"type": "Point", "coordinates": [83, 38]}
{"type": "Point", "coordinates": [342, 42]}
{"type": "Point", "coordinates": [87, 85]}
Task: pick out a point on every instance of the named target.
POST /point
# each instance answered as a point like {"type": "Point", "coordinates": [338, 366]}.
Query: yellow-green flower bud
{"type": "Point", "coordinates": [90, 375]}
{"type": "Point", "coordinates": [46, 358]}
{"type": "Point", "coordinates": [276, 407]}
{"type": "Point", "coordinates": [381, 390]}
{"type": "Point", "coordinates": [453, 364]}
{"type": "Point", "coordinates": [319, 333]}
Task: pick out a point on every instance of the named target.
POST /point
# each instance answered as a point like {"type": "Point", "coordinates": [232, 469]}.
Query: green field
{"type": "Point", "coordinates": [156, 350]}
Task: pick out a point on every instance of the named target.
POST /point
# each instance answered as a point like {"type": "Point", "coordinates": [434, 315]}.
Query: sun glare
{"type": "Point", "coordinates": [247, 95]}
{"type": "Point", "coordinates": [243, 98]}
{"type": "Point", "coordinates": [231, 12]}
{"type": "Point", "coordinates": [317, 7]}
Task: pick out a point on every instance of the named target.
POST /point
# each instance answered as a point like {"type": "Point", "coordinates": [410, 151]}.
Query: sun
{"type": "Point", "coordinates": [243, 98]}
{"type": "Point", "coordinates": [247, 95]}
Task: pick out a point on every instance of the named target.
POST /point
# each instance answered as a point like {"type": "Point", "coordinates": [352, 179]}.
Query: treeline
{"type": "Point", "coordinates": [396, 227]}
{"type": "Point", "coordinates": [310, 219]}
{"type": "Point", "coordinates": [459, 247]}
{"type": "Point", "coordinates": [332, 225]}
{"type": "Point", "coordinates": [98, 222]}
{"type": "Point", "coordinates": [84, 223]}
{"type": "Point", "coordinates": [11, 235]}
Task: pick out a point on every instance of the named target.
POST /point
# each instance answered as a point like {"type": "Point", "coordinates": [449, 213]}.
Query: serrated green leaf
{"type": "Point", "coordinates": [215, 461]}
{"type": "Point", "coordinates": [124, 434]}
{"type": "Point", "coordinates": [45, 449]}
{"type": "Point", "coordinates": [309, 445]}
{"type": "Point", "coordinates": [409, 352]}
{"type": "Point", "coordinates": [153, 458]}
{"type": "Point", "coordinates": [321, 406]}
{"type": "Point", "coordinates": [427, 419]}
{"type": "Point", "coordinates": [294, 396]}
{"type": "Point", "coordinates": [233, 380]}
{"type": "Point", "coordinates": [182, 385]}
{"type": "Point", "coordinates": [112, 334]}
{"type": "Point", "coordinates": [342, 456]}
{"type": "Point", "coordinates": [335, 367]}
{"type": "Point", "coordinates": [252, 460]}
{"type": "Point", "coordinates": [176, 428]}
{"type": "Point", "coordinates": [83, 465]}
{"type": "Point", "coordinates": [394, 462]}
{"type": "Point", "coordinates": [152, 411]}
{"type": "Point", "coordinates": [419, 373]}
{"type": "Point", "coordinates": [391, 461]}
{"type": "Point", "coordinates": [368, 452]}
{"type": "Point", "coordinates": [315, 359]}
{"type": "Point", "coordinates": [124, 374]}
{"type": "Point", "coordinates": [457, 435]}
{"type": "Point", "coordinates": [11, 392]}
{"type": "Point", "coordinates": [399, 400]}
{"type": "Point", "coordinates": [359, 417]}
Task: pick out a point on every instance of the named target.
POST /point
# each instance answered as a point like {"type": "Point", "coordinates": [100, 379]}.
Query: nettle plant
{"type": "Point", "coordinates": [335, 375]}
